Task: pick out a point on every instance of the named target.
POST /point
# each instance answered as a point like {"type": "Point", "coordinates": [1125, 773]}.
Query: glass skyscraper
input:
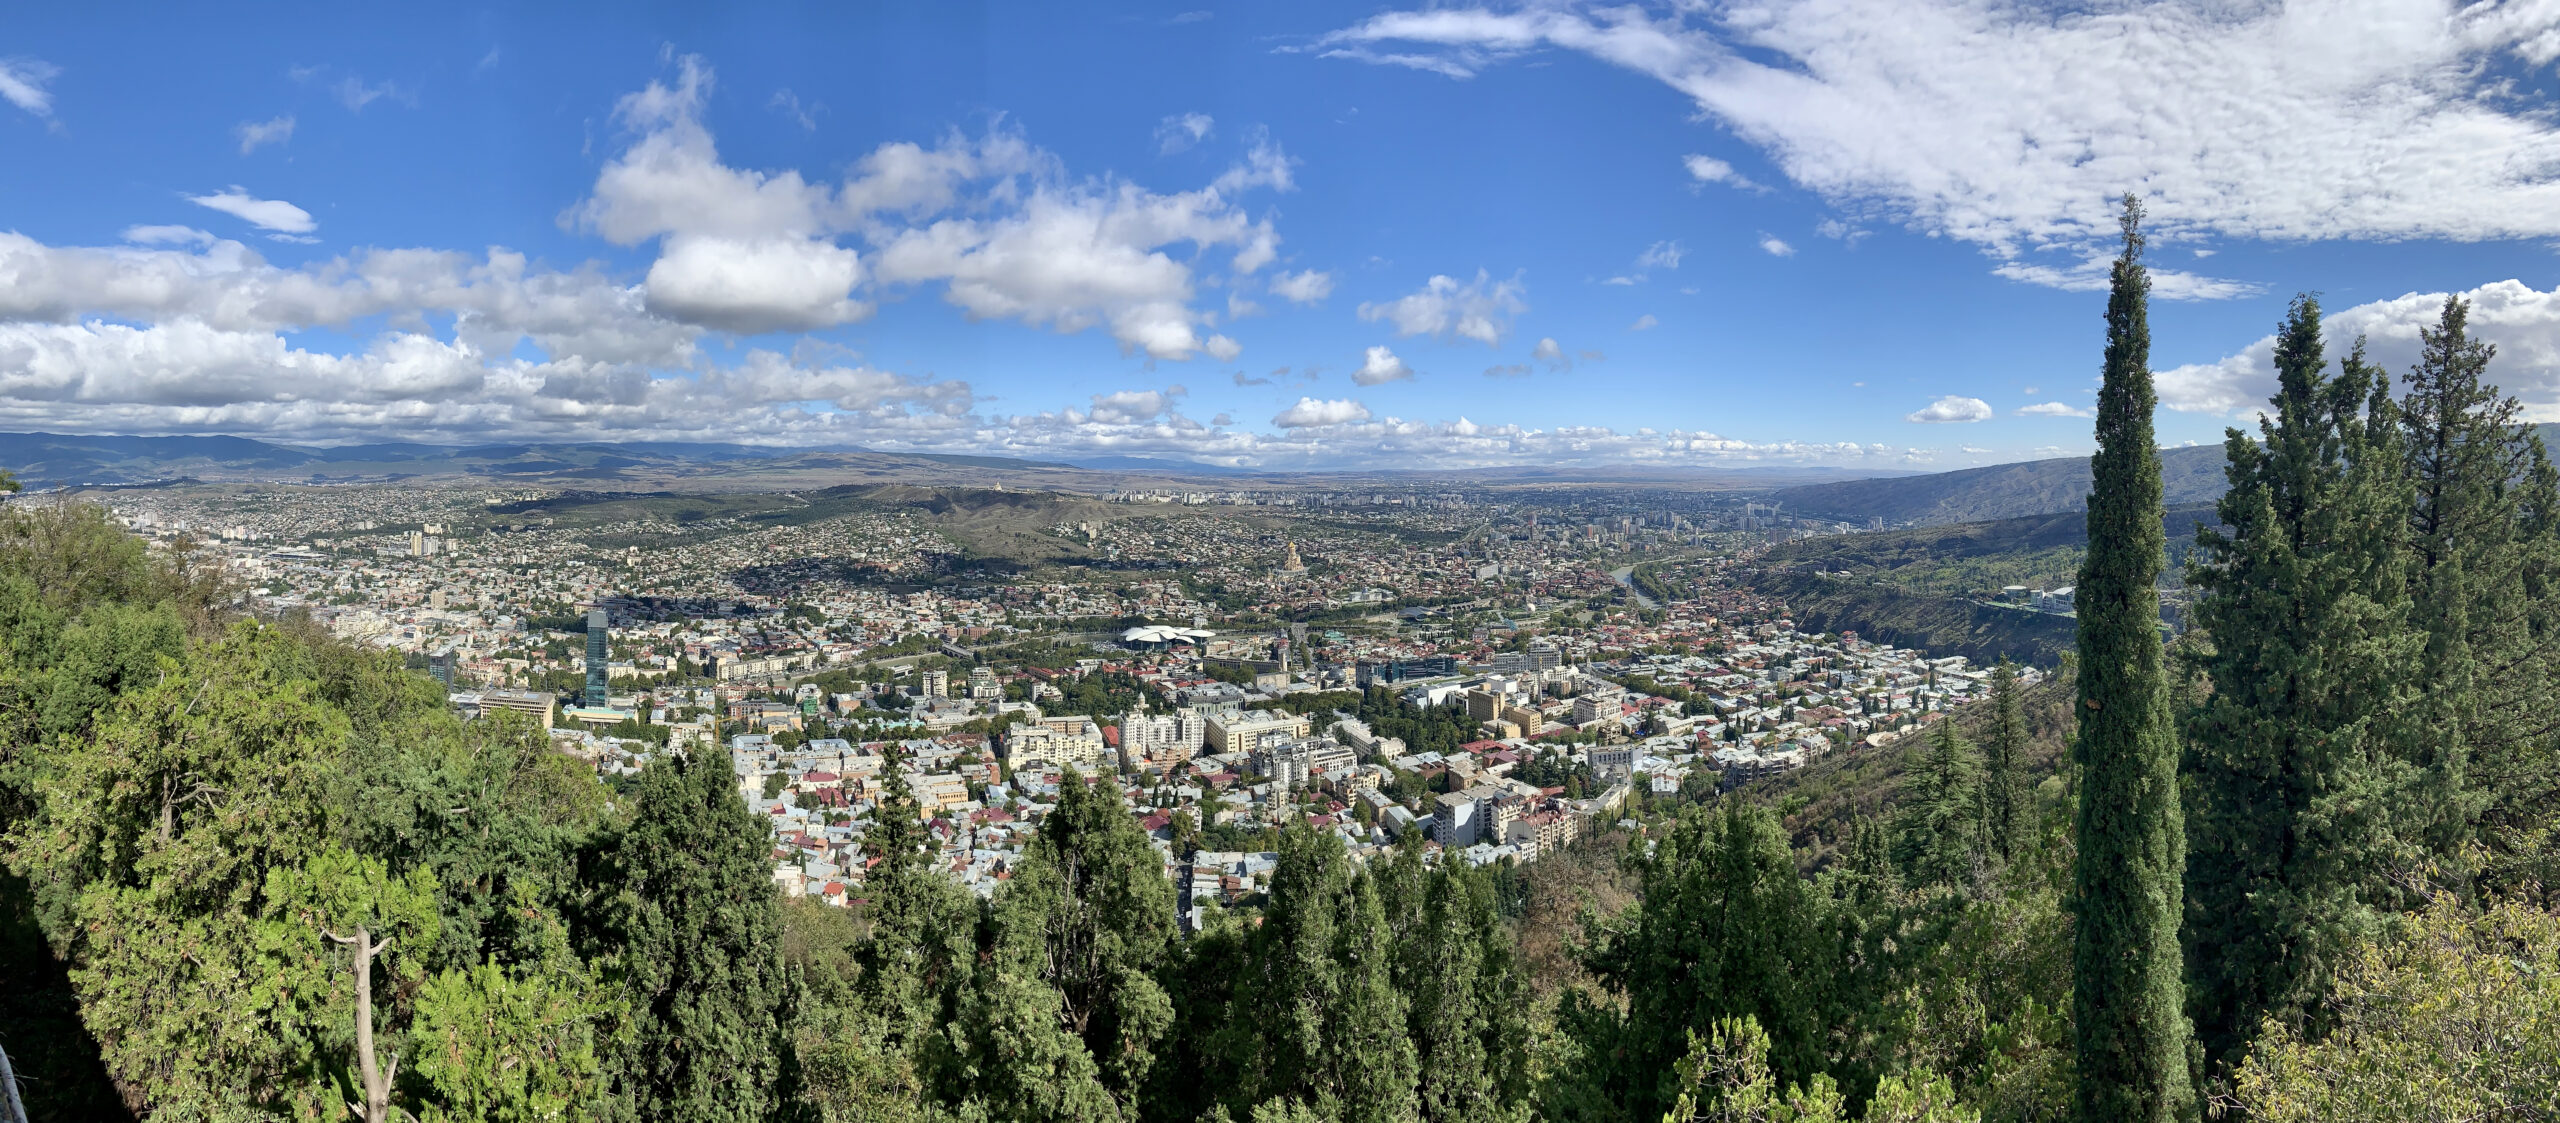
{"type": "Point", "coordinates": [598, 651]}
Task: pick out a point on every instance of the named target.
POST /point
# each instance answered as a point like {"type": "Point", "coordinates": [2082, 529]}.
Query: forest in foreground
{"type": "Point", "coordinates": [2295, 866]}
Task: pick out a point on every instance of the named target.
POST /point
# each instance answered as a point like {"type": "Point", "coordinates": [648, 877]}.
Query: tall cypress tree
{"type": "Point", "coordinates": [2290, 758]}
{"type": "Point", "coordinates": [2128, 1028]}
{"type": "Point", "coordinates": [2004, 752]}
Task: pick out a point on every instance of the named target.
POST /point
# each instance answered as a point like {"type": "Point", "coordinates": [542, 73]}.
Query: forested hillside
{"type": "Point", "coordinates": [2188, 476]}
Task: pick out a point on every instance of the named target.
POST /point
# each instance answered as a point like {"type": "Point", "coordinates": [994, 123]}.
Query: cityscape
{"type": "Point", "coordinates": [1479, 561]}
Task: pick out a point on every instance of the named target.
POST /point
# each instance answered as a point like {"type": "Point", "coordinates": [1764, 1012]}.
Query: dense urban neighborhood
{"type": "Point", "coordinates": [1481, 677]}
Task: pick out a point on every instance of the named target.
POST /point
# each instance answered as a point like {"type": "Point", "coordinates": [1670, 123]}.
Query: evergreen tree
{"type": "Point", "coordinates": [2290, 755]}
{"type": "Point", "coordinates": [2129, 1030]}
{"type": "Point", "coordinates": [1940, 820]}
{"type": "Point", "coordinates": [2004, 766]}
{"type": "Point", "coordinates": [1724, 927]}
{"type": "Point", "coordinates": [693, 932]}
{"type": "Point", "coordinates": [1316, 1017]}
{"type": "Point", "coordinates": [1089, 916]}
{"type": "Point", "coordinates": [2481, 548]}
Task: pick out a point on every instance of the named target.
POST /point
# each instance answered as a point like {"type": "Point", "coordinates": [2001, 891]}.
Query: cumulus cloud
{"type": "Point", "coordinates": [1182, 130]}
{"type": "Point", "coordinates": [2053, 409]}
{"type": "Point", "coordinates": [1772, 245]}
{"type": "Point", "coordinates": [1550, 352]}
{"type": "Point", "coordinates": [995, 222]}
{"type": "Point", "coordinates": [1315, 412]}
{"type": "Point", "coordinates": [1507, 370]}
{"type": "Point", "coordinates": [274, 130]}
{"type": "Point", "coordinates": [1480, 309]}
{"type": "Point", "coordinates": [1306, 286]}
{"type": "Point", "coordinates": [1660, 255]}
{"type": "Point", "coordinates": [265, 214]}
{"type": "Point", "coordinates": [1380, 367]}
{"type": "Point", "coordinates": [2010, 127]}
{"type": "Point", "coordinates": [1952, 408]}
{"type": "Point", "coordinates": [23, 82]}
{"type": "Point", "coordinates": [2521, 321]}
{"type": "Point", "coordinates": [1222, 348]}
{"type": "Point", "coordinates": [753, 286]}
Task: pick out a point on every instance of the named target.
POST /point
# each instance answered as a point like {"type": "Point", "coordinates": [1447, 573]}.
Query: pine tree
{"type": "Point", "coordinates": [2129, 1031]}
{"type": "Point", "coordinates": [1939, 825]}
{"type": "Point", "coordinates": [2004, 753]}
{"type": "Point", "coordinates": [2480, 544]}
{"type": "Point", "coordinates": [2290, 756]}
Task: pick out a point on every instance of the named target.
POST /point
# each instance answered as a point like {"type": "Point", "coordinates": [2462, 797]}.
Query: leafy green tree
{"type": "Point", "coordinates": [492, 812]}
{"type": "Point", "coordinates": [689, 931]}
{"type": "Point", "coordinates": [2291, 755]}
{"type": "Point", "coordinates": [2127, 1009]}
{"type": "Point", "coordinates": [2455, 1016]}
{"type": "Point", "coordinates": [509, 1043]}
{"type": "Point", "coordinates": [342, 898]}
{"type": "Point", "coordinates": [1725, 1078]}
{"type": "Point", "coordinates": [150, 852]}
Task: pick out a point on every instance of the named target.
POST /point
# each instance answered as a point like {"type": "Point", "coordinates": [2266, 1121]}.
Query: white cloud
{"type": "Point", "coordinates": [1222, 348]}
{"type": "Point", "coordinates": [789, 105]}
{"type": "Point", "coordinates": [274, 130]}
{"type": "Point", "coordinates": [752, 286]}
{"type": "Point", "coordinates": [1480, 310]}
{"type": "Point", "coordinates": [353, 93]}
{"type": "Point", "coordinates": [1771, 244]}
{"type": "Point", "coordinates": [1951, 408]}
{"type": "Point", "coordinates": [1708, 169]}
{"type": "Point", "coordinates": [265, 214]}
{"type": "Point", "coordinates": [23, 82]}
{"type": "Point", "coordinates": [2011, 127]}
{"type": "Point", "coordinates": [1660, 255]}
{"type": "Point", "coordinates": [1312, 412]}
{"type": "Point", "coordinates": [167, 236]}
{"type": "Point", "coordinates": [1303, 287]}
{"type": "Point", "coordinates": [1379, 367]}
{"type": "Point", "coordinates": [994, 221]}
{"type": "Point", "coordinates": [1550, 352]}
{"type": "Point", "coordinates": [1182, 130]}
{"type": "Point", "coordinates": [2521, 321]}
{"type": "Point", "coordinates": [1644, 322]}
{"type": "Point", "coordinates": [2053, 409]}
{"type": "Point", "coordinates": [1265, 165]}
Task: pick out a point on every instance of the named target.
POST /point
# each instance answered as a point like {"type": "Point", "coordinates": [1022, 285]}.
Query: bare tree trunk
{"type": "Point", "coordinates": [11, 1111]}
{"type": "Point", "coordinates": [377, 1080]}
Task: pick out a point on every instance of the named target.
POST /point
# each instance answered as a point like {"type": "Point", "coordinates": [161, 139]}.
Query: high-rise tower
{"type": "Point", "coordinates": [599, 650]}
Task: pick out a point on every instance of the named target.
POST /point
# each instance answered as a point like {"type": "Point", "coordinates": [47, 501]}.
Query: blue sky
{"type": "Point", "coordinates": [1293, 235]}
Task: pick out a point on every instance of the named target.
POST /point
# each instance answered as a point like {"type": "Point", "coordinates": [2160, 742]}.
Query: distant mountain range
{"type": "Point", "coordinates": [2007, 491]}
{"type": "Point", "coordinates": [51, 458]}
{"type": "Point", "coordinates": [48, 459]}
